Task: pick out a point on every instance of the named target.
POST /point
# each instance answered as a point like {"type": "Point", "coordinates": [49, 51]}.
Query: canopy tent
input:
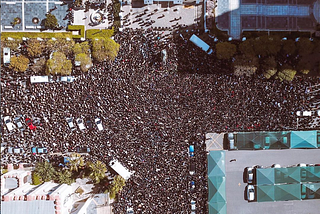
{"type": "Point", "coordinates": [216, 182]}
{"type": "Point", "coordinates": [312, 173]}
{"type": "Point", "coordinates": [286, 192]}
{"type": "Point", "coordinates": [303, 139]}
{"type": "Point", "coordinates": [287, 175]}
{"type": "Point", "coordinates": [216, 163]}
{"type": "Point", "coordinates": [217, 208]}
{"type": "Point", "coordinates": [265, 176]}
{"type": "Point", "coordinates": [312, 190]}
{"type": "Point", "coordinates": [265, 193]}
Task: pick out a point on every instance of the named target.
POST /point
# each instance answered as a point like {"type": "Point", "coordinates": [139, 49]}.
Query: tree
{"type": "Point", "coordinates": [244, 65]}
{"type": "Point", "coordinates": [39, 65]}
{"type": "Point", "coordinates": [35, 48]}
{"type": "Point", "coordinates": [225, 50]}
{"type": "Point", "coordinates": [305, 46]}
{"type": "Point", "coordinates": [58, 64]}
{"type": "Point", "coordinates": [75, 161]}
{"type": "Point", "coordinates": [84, 60]}
{"type": "Point", "coordinates": [104, 49]}
{"type": "Point", "coordinates": [50, 22]}
{"type": "Point", "coordinates": [19, 63]}
{"type": "Point", "coordinates": [116, 186]}
{"type": "Point", "coordinates": [287, 73]}
{"type": "Point", "coordinates": [16, 21]}
{"type": "Point", "coordinates": [305, 65]}
{"type": "Point", "coordinates": [64, 177]}
{"type": "Point", "coordinates": [289, 47]}
{"type": "Point", "coordinates": [45, 171]}
{"type": "Point", "coordinates": [97, 171]}
{"type": "Point", "coordinates": [273, 45]}
{"type": "Point", "coordinates": [264, 46]}
{"type": "Point", "coordinates": [246, 48]}
{"type": "Point", "coordinates": [12, 44]}
{"type": "Point", "coordinates": [269, 67]}
{"type": "Point", "coordinates": [82, 47]}
{"type": "Point", "coordinates": [61, 45]}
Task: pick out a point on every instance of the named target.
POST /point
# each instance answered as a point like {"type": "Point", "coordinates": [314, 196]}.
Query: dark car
{"type": "Point", "coordinates": [89, 124]}
{"type": "Point", "coordinates": [82, 149]}
{"type": "Point", "coordinates": [30, 124]}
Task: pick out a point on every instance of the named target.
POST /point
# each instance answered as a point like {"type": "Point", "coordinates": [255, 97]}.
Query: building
{"type": "Point", "coordinates": [236, 16]}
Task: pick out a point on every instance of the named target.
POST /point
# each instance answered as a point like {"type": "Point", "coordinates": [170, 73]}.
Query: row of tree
{"type": "Point", "coordinates": [55, 56]}
{"type": "Point", "coordinates": [273, 56]}
{"type": "Point", "coordinates": [76, 168]}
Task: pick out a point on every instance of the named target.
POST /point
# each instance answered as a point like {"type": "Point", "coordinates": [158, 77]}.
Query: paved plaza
{"type": "Point", "coordinates": [236, 16]}
{"type": "Point", "coordinates": [161, 14]}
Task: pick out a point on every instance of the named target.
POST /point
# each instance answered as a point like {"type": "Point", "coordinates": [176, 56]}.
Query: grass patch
{"type": "Point", "coordinates": [95, 33]}
{"type": "Point", "coordinates": [79, 28]}
{"type": "Point", "coordinates": [43, 35]}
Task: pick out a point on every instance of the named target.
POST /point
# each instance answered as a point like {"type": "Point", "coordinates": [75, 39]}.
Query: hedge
{"type": "Point", "coordinates": [43, 35]}
{"type": "Point", "coordinates": [77, 28]}
{"type": "Point", "coordinates": [95, 33]}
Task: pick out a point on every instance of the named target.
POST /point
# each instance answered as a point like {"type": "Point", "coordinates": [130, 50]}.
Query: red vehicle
{"type": "Point", "coordinates": [30, 124]}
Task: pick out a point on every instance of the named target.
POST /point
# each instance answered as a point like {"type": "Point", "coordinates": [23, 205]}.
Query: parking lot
{"type": "Point", "coordinates": [235, 187]}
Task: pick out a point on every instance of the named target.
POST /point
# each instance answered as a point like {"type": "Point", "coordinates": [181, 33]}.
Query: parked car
{"type": "Point", "coordinates": [231, 141]}
{"type": "Point", "coordinates": [99, 124]}
{"type": "Point", "coordinates": [70, 123]}
{"type": "Point", "coordinates": [250, 193]}
{"type": "Point", "coordinates": [193, 206]}
{"type": "Point", "coordinates": [18, 121]}
{"type": "Point", "coordinates": [66, 79]}
{"type": "Point", "coordinates": [83, 149]}
{"type": "Point", "coordinates": [248, 175]}
{"type": "Point", "coordinates": [9, 124]}
{"type": "Point", "coordinates": [276, 166]}
{"type": "Point", "coordinates": [130, 210]}
{"type": "Point", "coordinates": [80, 124]}
{"type": "Point", "coordinates": [41, 150]}
{"type": "Point", "coordinates": [30, 124]}
{"type": "Point", "coordinates": [17, 150]}
{"type": "Point", "coordinates": [191, 150]}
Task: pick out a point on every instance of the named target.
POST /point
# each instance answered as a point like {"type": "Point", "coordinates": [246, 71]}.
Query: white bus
{"type": "Point", "coordinates": [120, 169]}
{"type": "Point", "coordinates": [200, 43]}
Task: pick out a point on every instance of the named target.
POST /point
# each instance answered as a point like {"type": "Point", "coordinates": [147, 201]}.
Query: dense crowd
{"type": "Point", "coordinates": [150, 114]}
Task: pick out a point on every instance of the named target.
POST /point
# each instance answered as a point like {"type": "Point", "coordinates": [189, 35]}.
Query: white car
{"type": "Point", "coordinates": [9, 124]}
{"type": "Point", "coordinates": [249, 175]}
{"type": "Point", "coordinates": [70, 123]}
{"type": "Point", "coordinates": [99, 124]}
{"type": "Point", "coordinates": [193, 206]}
{"type": "Point", "coordinates": [250, 193]}
{"type": "Point", "coordinates": [80, 124]}
{"type": "Point", "coordinates": [130, 210]}
{"type": "Point", "coordinates": [67, 79]}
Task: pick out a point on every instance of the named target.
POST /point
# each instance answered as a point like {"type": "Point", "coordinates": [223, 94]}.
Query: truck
{"type": "Point", "coordinates": [201, 44]}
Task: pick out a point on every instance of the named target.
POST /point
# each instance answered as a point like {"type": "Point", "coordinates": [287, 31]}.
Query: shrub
{"type": "Point", "coordinates": [85, 61]}
{"type": "Point", "coordinates": [58, 64]}
{"type": "Point", "coordinates": [20, 63]}
{"type": "Point", "coordinates": [82, 47]}
{"type": "Point", "coordinates": [96, 33]}
{"type": "Point", "coordinates": [104, 49]}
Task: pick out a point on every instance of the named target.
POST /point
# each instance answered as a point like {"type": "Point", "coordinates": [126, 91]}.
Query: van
{"type": "Point", "coordinates": [41, 79]}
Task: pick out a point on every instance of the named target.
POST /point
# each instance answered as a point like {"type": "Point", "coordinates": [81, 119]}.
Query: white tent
{"type": "Point", "coordinates": [120, 169]}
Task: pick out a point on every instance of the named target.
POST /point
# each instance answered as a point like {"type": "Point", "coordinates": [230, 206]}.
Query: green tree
{"type": "Point", "coordinates": [116, 186]}
{"type": "Point", "coordinates": [19, 63]}
{"type": "Point", "coordinates": [82, 47]}
{"type": "Point", "coordinates": [50, 22]}
{"type": "Point", "coordinates": [35, 47]}
{"type": "Point", "coordinates": [75, 161]}
{"type": "Point", "coordinates": [15, 21]}
{"type": "Point", "coordinates": [64, 177]}
{"type": "Point", "coordinates": [289, 47]}
{"type": "Point", "coordinates": [35, 179]}
{"type": "Point", "coordinates": [269, 67]}
{"type": "Point", "coordinates": [12, 44]}
{"type": "Point", "coordinates": [97, 171]}
{"type": "Point", "coordinates": [305, 46]}
{"type": "Point", "coordinates": [225, 50]}
{"type": "Point", "coordinates": [246, 48]}
{"type": "Point", "coordinates": [58, 64]}
{"type": "Point", "coordinates": [61, 45]}
{"type": "Point", "coordinates": [273, 45]}
{"type": "Point", "coordinates": [45, 171]}
{"type": "Point", "coordinates": [305, 65]}
{"type": "Point", "coordinates": [39, 65]}
{"type": "Point", "coordinates": [104, 49]}
{"type": "Point", "coordinates": [84, 60]}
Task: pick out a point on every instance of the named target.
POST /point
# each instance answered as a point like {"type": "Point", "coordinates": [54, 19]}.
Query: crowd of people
{"type": "Point", "coordinates": [150, 113]}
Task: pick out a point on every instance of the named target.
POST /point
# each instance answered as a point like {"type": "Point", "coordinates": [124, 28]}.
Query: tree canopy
{"type": "Point", "coordinates": [104, 49]}
{"type": "Point", "coordinates": [35, 48]}
{"type": "Point", "coordinates": [82, 47]}
{"type": "Point", "coordinates": [19, 63]}
{"type": "Point", "coordinates": [246, 48]}
{"type": "Point", "coordinates": [97, 171]}
{"type": "Point", "coordinates": [58, 64]}
{"type": "Point", "coordinates": [225, 50]}
{"type": "Point", "coordinates": [85, 61]}
{"type": "Point", "coordinates": [116, 186]}
{"type": "Point", "coordinates": [61, 45]}
{"type": "Point", "coordinates": [45, 171]}
{"type": "Point", "coordinates": [305, 46]}
{"type": "Point", "coordinates": [51, 21]}
{"type": "Point", "coordinates": [289, 47]}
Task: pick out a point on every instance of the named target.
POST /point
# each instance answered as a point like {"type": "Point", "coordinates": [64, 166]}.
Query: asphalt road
{"type": "Point", "coordinates": [236, 204]}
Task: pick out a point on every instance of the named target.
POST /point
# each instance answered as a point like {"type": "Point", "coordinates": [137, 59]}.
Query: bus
{"type": "Point", "coordinates": [201, 44]}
